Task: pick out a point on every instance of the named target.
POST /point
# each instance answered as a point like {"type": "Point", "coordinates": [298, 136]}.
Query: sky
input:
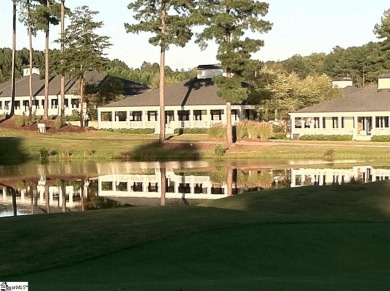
{"type": "Point", "coordinates": [299, 27]}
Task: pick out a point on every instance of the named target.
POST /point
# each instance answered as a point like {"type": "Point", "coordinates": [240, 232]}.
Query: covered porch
{"type": "Point", "coordinates": [175, 117]}
{"type": "Point", "coordinates": [360, 125]}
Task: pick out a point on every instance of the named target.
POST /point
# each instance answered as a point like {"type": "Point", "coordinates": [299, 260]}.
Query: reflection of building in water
{"type": "Point", "coordinates": [35, 194]}
{"type": "Point", "coordinates": [326, 176]}
{"type": "Point", "coordinates": [148, 186]}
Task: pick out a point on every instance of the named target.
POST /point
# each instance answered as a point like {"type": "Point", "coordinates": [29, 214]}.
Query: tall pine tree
{"type": "Point", "coordinates": [83, 49]}
{"type": "Point", "coordinates": [170, 23]}
{"type": "Point", "coordinates": [382, 31]}
{"type": "Point", "coordinates": [228, 23]}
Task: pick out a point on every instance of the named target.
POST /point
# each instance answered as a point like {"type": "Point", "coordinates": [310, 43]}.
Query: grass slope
{"type": "Point", "coordinates": [320, 238]}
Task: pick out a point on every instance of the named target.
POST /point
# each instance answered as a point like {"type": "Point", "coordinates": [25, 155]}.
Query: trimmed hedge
{"type": "Point", "coordinates": [133, 131]}
{"type": "Point", "coordinates": [191, 131]}
{"type": "Point", "coordinates": [381, 138]}
{"type": "Point", "coordinates": [341, 137]}
{"type": "Point", "coordinates": [279, 135]}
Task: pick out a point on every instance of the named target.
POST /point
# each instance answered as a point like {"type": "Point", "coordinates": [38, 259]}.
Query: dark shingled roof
{"type": "Point", "coordinates": [192, 92]}
{"type": "Point", "coordinates": [369, 99]}
{"type": "Point", "coordinates": [71, 86]}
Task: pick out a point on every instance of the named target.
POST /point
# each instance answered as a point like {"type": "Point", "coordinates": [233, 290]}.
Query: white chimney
{"type": "Point", "coordinates": [26, 71]}
{"type": "Point", "coordinates": [342, 82]}
{"type": "Point", "coordinates": [384, 82]}
{"type": "Point", "coordinates": [208, 71]}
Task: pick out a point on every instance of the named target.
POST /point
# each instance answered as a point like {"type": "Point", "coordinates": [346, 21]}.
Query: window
{"type": "Point", "coordinates": [184, 115]}
{"type": "Point", "coordinates": [235, 114]}
{"type": "Point", "coordinates": [342, 122]}
{"type": "Point", "coordinates": [323, 122]}
{"type": "Point", "coordinates": [106, 116]}
{"type": "Point", "coordinates": [120, 116]}
{"type": "Point", "coordinates": [184, 188]}
{"type": "Point", "coordinates": [316, 122]}
{"type": "Point", "coordinates": [121, 186]}
{"type": "Point", "coordinates": [216, 114]}
{"type": "Point", "coordinates": [107, 186]}
{"type": "Point", "coordinates": [137, 187]}
{"type": "Point", "coordinates": [198, 114]}
{"type": "Point", "coordinates": [136, 116]}
{"type": "Point", "coordinates": [382, 121]}
{"type": "Point", "coordinates": [152, 187]}
{"type": "Point", "coordinates": [152, 115]}
{"type": "Point", "coordinates": [335, 122]}
{"type": "Point", "coordinates": [169, 116]}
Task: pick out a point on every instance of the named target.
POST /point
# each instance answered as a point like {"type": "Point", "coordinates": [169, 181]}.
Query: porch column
{"type": "Point", "coordinates": [355, 126]}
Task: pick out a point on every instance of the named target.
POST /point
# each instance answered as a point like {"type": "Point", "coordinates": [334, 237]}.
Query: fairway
{"type": "Point", "coordinates": [309, 238]}
{"type": "Point", "coordinates": [323, 256]}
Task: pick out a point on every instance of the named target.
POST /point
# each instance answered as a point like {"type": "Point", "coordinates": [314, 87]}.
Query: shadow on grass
{"type": "Point", "coordinates": [11, 152]}
{"type": "Point", "coordinates": [167, 151]}
{"type": "Point", "coordinates": [357, 202]}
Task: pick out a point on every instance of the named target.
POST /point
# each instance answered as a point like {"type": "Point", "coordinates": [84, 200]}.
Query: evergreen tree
{"type": "Point", "coordinates": [169, 21]}
{"type": "Point", "coordinates": [227, 22]}
{"type": "Point", "coordinates": [382, 31]}
{"type": "Point", "coordinates": [46, 12]}
{"type": "Point", "coordinates": [84, 48]}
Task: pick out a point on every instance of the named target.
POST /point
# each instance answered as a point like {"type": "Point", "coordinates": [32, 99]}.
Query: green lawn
{"type": "Point", "coordinates": [313, 238]}
{"type": "Point", "coordinates": [20, 145]}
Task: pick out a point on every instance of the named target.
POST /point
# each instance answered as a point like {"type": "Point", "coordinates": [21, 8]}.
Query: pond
{"type": "Point", "coordinates": [62, 187]}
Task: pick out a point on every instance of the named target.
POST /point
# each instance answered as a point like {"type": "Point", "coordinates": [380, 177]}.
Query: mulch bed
{"type": "Point", "coordinates": [50, 126]}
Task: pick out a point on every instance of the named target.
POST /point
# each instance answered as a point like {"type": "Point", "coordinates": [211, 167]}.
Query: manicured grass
{"type": "Point", "coordinates": [312, 238]}
{"type": "Point", "coordinates": [18, 145]}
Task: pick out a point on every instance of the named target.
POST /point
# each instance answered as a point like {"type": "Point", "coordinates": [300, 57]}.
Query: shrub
{"type": "Point", "coordinates": [279, 135]}
{"type": "Point", "coordinates": [74, 117]}
{"type": "Point", "coordinates": [191, 131]}
{"type": "Point", "coordinates": [217, 131]}
{"type": "Point", "coordinates": [44, 154]}
{"type": "Point", "coordinates": [254, 130]}
{"type": "Point", "coordinates": [20, 121]}
{"type": "Point", "coordinates": [278, 128]}
{"type": "Point", "coordinates": [381, 138]}
{"type": "Point", "coordinates": [329, 155]}
{"type": "Point", "coordinates": [327, 137]}
{"type": "Point", "coordinates": [219, 150]}
{"type": "Point", "coordinates": [263, 130]}
{"type": "Point", "coordinates": [59, 123]}
{"type": "Point", "coordinates": [242, 129]}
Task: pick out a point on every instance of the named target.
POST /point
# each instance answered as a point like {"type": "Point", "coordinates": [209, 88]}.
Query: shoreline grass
{"type": "Point", "coordinates": [18, 146]}
{"type": "Point", "coordinates": [331, 237]}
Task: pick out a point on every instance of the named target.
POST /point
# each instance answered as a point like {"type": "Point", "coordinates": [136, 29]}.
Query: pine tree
{"type": "Point", "coordinates": [170, 23]}
{"type": "Point", "coordinates": [46, 12]}
{"type": "Point", "coordinates": [227, 22]}
{"type": "Point", "coordinates": [83, 49]}
{"type": "Point", "coordinates": [382, 31]}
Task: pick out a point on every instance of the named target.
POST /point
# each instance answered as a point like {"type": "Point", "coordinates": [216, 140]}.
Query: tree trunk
{"type": "Point", "coordinates": [82, 102]}
{"type": "Point", "coordinates": [46, 107]}
{"type": "Point", "coordinates": [30, 60]}
{"type": "Point", "coordinates": [162, 78]}
{"type": "Point", "coordinates": [62, 51]}
{"type": "Point", "coordinates": [63, 191]}
{"type": "Point", "coordinates": [12, 111]}
{"type": "Point", "coordinates": [229, 129]}
{"type": "Point", "coordinates": [163, 184]}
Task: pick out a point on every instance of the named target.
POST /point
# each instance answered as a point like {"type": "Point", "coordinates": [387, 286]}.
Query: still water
{"type": "Point", "coordinates": [63, 187]}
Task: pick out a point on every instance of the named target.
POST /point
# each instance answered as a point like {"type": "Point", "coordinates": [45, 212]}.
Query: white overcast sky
{"type": "Point", "coordinates": [299, 27]}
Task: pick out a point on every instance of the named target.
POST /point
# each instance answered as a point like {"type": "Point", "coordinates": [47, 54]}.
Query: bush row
{"type": "Point", "coordinates": [191, 131]}
{"type": "Point", "coordinates": [133, 131]}
{"type": "Point", "coordinates": [340, 137]}
{"type": "Point", "coordinates": [381, 138]}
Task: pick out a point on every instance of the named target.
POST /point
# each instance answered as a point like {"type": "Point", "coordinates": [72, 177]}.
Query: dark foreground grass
{"type": "Point", "coordinates": [296, 239]}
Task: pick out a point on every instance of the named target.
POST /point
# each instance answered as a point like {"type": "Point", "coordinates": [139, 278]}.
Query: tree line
{"type": "Point", "coordinates": [225, 22]}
